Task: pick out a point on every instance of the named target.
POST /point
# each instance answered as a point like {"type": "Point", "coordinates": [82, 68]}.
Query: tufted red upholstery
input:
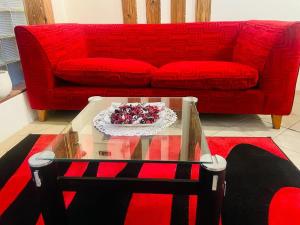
{"type": "Point", "coordinates": [270, 47]}
{"type": "Point", "coordinates": [205, 75]}
{"type": "Point", "coordinates": [163, 43]}
{"type": "Point", "coordinates": [255, 41]}
{"type": "Point", "coordinates": [109, 72]}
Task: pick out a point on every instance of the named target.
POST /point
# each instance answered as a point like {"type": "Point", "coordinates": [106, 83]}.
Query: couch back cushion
{"type": "Point", "coordinates": [163, 43]}
{"type": "Point", "coordinates": [255, 42]}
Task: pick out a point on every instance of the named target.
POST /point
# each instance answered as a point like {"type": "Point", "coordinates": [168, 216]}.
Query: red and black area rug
{"type": "Point", "coordinates": [263, 188]}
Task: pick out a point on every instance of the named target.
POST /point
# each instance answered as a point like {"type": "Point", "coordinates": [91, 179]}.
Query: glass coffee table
{"type": "Point", "coordinates": [182, 143]}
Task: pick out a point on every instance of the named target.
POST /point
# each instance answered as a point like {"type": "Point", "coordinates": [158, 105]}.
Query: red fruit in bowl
{"type": "Point", "coordinates": [129, 114]}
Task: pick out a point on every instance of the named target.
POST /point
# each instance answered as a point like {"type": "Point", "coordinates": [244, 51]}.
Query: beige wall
{"type": "Point", "coordinates": [256, 9]}
{"type": "Point", "coordinates": [15, 113]}
{"type": "Point", "coordinates": [87, 11]}
{"type": "Point", "coordinates": [110, 11]}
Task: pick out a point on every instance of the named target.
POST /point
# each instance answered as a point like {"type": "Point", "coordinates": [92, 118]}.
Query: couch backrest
{"type": "Point", "coordinates": [248, 42]}
{"type": "Point", "coordinates": [160, 44]}
{"type": "Point", "coordinates": [256, 40]}
{"type": "Point", "coordinates": [57, 41]}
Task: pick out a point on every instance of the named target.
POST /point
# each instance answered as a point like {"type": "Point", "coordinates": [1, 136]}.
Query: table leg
{"type": "Point", "coordinates": [210, 198]}
{"type": "Point", "coordinates": [44, 175]}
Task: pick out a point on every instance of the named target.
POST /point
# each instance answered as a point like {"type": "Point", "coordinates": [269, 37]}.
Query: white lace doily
{"type": "Point", "coordinates": [100, 123]}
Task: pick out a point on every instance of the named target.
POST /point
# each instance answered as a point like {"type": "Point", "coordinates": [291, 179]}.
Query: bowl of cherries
{"type": "Point", "coordinates": [136, 114]}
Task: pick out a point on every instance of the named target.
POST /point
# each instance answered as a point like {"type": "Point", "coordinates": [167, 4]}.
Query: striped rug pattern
{"type": "Point", "coordinates": [18, 204]}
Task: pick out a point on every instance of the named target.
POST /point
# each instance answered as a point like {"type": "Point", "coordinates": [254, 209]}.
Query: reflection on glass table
{"type": "Point", "coordinates": [183, 141]}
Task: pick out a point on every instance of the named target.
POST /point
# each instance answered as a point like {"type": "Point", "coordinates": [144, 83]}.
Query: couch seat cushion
{"type": "Point", "coordinates": [106, 72]}
{"type": "Point", "coordinates": [205, 75]}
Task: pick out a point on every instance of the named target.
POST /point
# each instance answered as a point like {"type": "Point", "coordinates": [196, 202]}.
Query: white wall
{"type": "Point", "coordinates": [87, 11]}
{"type": "Point", "coordinates": [15, 113]}
{"type": "Point", "coordinates": [110, 11]}
{"type": "Point", "coordinates": [59, 11]}
{"type": "Point", "coordinates": [223, 10]}
{"type": "Point", "coordinates": [255, 9]}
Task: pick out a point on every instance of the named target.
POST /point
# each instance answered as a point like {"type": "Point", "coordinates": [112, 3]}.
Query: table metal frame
{"type": "Point", "coordinates": [210, 189]}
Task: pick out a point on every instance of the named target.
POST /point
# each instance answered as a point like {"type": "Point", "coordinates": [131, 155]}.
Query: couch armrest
{"type": "Point", "coordinates": [41, 48]}
{"type": "Point", "coordinates": [279, 77]}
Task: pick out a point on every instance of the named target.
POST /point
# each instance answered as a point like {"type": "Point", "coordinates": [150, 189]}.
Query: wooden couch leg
{"type": "Point", "coordinates": [276, 121]}
{"type": "Point", "coordinates": [42, 115]}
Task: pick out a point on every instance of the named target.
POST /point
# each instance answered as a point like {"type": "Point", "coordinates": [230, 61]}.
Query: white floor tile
{"type": "Point", "coordinates": [293, 156]}
{"type": "Point", "coordinates": [9, 143]}
{"type": "Point", "coordinates": [252, 127]}
{"type": "Point", "coordinates": [224, 120]}
{"type": "Point", "coordinates": [61, 116]}
{"type": "Point", "coordinates": [43, 128]}
{"type": "Point", "coordinates": [214, 123]}
{"type": "Point", "coordinates": [296, 108]}
{"type": "Point", "coordinates": [289, 140]}
{"type": "Point", "coordinates": [296, 127]}
{"type": "Point", "coordinates": [287, 121]}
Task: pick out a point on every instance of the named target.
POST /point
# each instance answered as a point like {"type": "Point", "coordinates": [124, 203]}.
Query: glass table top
{"type": "Point", "coordinates": [183, 141]}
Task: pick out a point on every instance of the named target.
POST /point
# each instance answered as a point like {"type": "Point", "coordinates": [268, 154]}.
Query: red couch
{"type": "Point", "coordinates": [246, 67]}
